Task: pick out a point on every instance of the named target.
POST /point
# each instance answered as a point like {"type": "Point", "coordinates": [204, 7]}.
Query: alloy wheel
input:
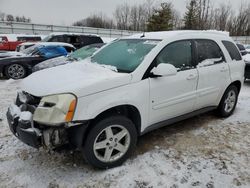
{"type": "Point", "coordinates": [230, 101]}
{"type": "Point", "coordinates": [111, 143]}
{"type": "Point", "coordinates": [16, 71]}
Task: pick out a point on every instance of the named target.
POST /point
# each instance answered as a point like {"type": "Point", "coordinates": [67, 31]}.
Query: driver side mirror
{"type": "Point", "coordinates": [164, 70]}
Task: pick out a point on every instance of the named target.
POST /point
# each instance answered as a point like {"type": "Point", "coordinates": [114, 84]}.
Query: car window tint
{"type": "Point", "coordinates": [232, 50]}
{"type": "Point", "coordinates": [207, 50]}
{"type": "Point", "coordinates": [241, 47]}
{"type": "Point", "coordinates": [178, 54]}
{"type": "Point", "coordinates": [91, 40]}
{"type": "Point", "coordinates": [58, 38]}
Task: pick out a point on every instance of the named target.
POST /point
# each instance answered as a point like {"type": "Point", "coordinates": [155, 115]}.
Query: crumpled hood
{"type": "Point", "coordinates": [80, 78]}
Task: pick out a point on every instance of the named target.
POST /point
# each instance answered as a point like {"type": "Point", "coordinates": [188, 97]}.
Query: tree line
{"type": "Point", "coordinates": [12, 18]}
{"type": "Point", "coordinates": [151, 16]}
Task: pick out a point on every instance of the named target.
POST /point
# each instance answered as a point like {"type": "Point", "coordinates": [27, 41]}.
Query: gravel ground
{"type": "Point", "coordinates": [203, 151]}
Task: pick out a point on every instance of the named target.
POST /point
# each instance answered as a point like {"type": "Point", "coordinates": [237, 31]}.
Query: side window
{"type": "Point", "coordinates": [178, 54]}
{"type": "Point", "coordinates": [57, 38]}
{"type": "Point", "coordinates": [91, 40]}
{"type": "Point", "coordinates": [208, 50]}
{"type": "Point", "coordinates": [232, 50]}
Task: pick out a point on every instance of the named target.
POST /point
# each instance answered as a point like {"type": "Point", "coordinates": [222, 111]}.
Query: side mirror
{"type": "Point", "coordinates": [164, 70]}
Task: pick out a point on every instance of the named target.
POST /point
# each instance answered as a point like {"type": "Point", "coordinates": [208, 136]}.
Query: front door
{"type": "Point", "coordinates": [172, 96]}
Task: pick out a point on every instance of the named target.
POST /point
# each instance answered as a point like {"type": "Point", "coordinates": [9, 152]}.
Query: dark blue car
{"type": "Point", "coordinates": [21, 66]}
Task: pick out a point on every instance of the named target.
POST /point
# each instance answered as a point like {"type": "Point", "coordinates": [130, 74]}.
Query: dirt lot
{"type": "Point", "coordinates": [200, 152]}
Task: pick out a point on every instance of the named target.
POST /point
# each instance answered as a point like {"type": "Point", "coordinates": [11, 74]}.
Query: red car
{"type": "Point", "coordinates": [9, 42]}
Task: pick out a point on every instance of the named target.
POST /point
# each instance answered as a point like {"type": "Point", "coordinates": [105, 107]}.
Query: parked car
{"type": "Point", "coordinates": [20, 66]}
{"type": "Point", "coordinates": [247, 48]}
{"type": "Point", "coordinates": [9, 42]}
{"type": "Point", "coordinates": [128, 88]}
{"type": "Point", "coordinates": [69, 48]}
{"type": "Point", "coordinates": [247, 68]}
{"type": "Point", "coordinates": [242, 49]}
{"type": "Point", "coordinates": [78, 55]}
{"type": "Point", "coordinates": [77, 40]}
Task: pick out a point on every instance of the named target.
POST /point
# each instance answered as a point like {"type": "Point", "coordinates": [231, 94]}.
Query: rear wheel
{"type": "Point", "coordinates": [228, 101]}
{"type": "Point", "coordinates": [110, 141]}
{"type": "Point", "coordinates": [15, 71]}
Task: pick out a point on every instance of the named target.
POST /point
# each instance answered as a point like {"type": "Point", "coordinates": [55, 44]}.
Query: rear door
{"type": "Point", "coordinates": [214, 75]}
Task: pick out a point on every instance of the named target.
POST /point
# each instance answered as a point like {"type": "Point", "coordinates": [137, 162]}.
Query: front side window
{"type": "Point", "coordinates": [208, 50]}
{"type": "Point", "coordinates": [125, 54]}
{"type": "Point", "coordinates": [178, 54]}
{"type": "Point", "coordinates": [232, 50]}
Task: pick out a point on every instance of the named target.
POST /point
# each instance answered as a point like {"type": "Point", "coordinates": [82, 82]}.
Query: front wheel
{"type": "Point", "coordinates": [110, 142]}
{"type": "Point", "coordinates": [15, 71]}
{"type": "Point", "coordinates": [228, 101]}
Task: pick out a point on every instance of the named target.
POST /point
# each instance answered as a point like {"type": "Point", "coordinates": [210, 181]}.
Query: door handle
{"type": "Point", "coordinates": [191, 77]}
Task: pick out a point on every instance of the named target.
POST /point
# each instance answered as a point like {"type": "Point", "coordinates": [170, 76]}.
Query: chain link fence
{"type": "Point", "coordinates": [41, 29]}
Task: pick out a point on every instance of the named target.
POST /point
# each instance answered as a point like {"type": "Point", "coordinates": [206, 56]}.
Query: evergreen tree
{"type": "Point", "coordinates": [162, 18]}
{"type": "Point", "coordinates": [191, 16]}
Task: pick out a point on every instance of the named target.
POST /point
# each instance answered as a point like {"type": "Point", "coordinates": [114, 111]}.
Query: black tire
{"type": "Point", "coordinates": [221, 110]}
{"type": "Point", "coordinates": [20, 72]}
{"type": "Point", "coordinates": [98, 130]}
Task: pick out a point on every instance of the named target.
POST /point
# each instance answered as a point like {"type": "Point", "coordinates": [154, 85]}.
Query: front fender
{"type": "Point", "coordinates": [136, 94]}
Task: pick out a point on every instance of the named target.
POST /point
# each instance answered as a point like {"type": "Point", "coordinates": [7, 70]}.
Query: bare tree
{"type": "Point", "coordinates": [121, 15]}
{"type": "Point", "coordinates": [2, 16]}
{"type": "Point", "coordinates": [96, 20]}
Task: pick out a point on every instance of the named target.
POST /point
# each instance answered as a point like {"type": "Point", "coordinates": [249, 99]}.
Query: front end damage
{"type": "Point", "coordinates": [36, 134]}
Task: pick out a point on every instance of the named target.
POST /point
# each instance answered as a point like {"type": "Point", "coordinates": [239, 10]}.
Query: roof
{"type": "Point", "coordinates": [168, 34]}
{"type": "Point", "coordinates": [84, 34]}
{"type": "Point", "coordinates": [48, 44]}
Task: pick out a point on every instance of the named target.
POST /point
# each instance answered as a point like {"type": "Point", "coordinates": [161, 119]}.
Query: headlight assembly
{"type": "Point", "coordinates": [55, 109]}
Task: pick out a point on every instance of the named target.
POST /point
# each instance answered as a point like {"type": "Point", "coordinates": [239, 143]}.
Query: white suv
{"type": "Point", "coordinates": [127, 88]}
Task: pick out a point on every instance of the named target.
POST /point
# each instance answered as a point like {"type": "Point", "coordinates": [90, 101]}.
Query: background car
{"type": "Point", "coordinates": [79, 54]}
{"type": "Point", "coordinates": [247, 48]}
{"type": "Point", "coordinates": [77, 40]}
{"type": "Point", "coordinates": [69, 47]}
{"type": "Point", "coordinates": [9, 42]}
{"type": "Point", "coordinates": [247, 68]}
{"type": "Point", "coordinates": [242, 49]}
{"type": "Point", "coordinates": [19, 67]}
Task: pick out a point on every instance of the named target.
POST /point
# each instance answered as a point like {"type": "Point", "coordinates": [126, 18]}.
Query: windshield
{"type": "Point", "coordinates": [83, 52]}
{"type": "Point", "coordinates": [125, 54]}
{"type": "Point", "coordinates": [30, 50]}
{"type": "Point", "coordinates": [46, 39]}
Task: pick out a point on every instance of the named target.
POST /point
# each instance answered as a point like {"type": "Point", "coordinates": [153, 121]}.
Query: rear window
{"type": "Point", "coordinates": [28, 39]}
{"type": "Point", "coordinates": [232, 50]}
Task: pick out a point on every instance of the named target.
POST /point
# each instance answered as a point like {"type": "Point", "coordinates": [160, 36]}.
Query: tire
{"type": "Point", "coordinates": [15, 71]}
{"type": "Point", "coordinates": [110, 142]}
{"type": "Point", "coordinates": [228, 102]}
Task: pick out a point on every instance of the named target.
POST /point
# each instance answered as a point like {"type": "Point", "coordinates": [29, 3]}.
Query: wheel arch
{"type": "Point", "coordinates": [127, 110]}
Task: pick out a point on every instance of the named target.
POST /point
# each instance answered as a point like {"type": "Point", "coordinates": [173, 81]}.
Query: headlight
{"type": "Point", "coordinates": [55, 109]}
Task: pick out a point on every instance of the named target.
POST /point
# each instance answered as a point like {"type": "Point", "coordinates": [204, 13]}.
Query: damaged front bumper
{"type": "Point", "coordinates": [21, 124]}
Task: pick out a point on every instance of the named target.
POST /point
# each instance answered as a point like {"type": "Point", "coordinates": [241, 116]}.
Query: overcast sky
{"type": "Point", "coordinates": [65, 12]}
